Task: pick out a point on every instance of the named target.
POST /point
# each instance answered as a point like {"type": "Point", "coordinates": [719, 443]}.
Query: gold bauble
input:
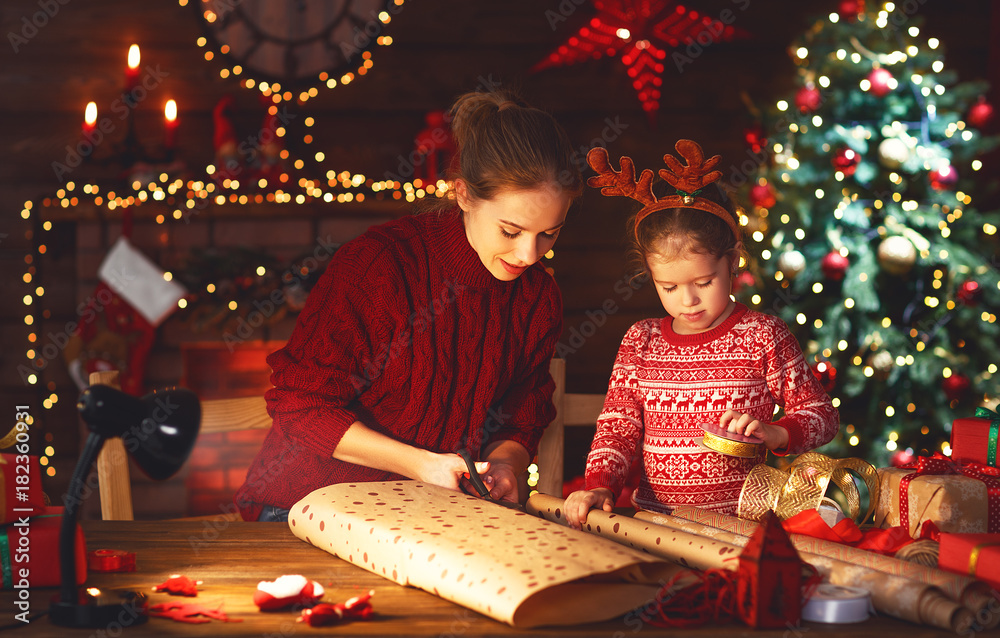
{"type": "Point", "coordinates": [882, 363]}
{"type": "Point", "coordinates": [896, 255]}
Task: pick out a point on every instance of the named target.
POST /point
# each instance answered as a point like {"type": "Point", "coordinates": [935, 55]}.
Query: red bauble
{"type": "Point", "coordinates": [743, 280]}
{"type": "Point", "coordinates": [851, 9]}
{"type": "Point", "coordinates": [956, 386]}
{"type": "Point", "coordinates": [943, 178]}
{"type": "Point", "coordinates": [755, 139]}
{"type": "Point", "coordinates": [969, 293]}
{"type": "Point", "coordinates": [846, 161]}
{"type": "Point", "coordinates": [881, 82]}
{"type": "Point", "coordinates": [826, 374]}
{"type": "Point", "coordinates": [980, 113]}
{"type": "Point", "coordinates": [763, 195]}
{"type": "Point", "coordinates": [834, 265]}
{"type": "Point", "coordinates": [902, 457]}
{"type": "Point", "coordinates": [808, 98]}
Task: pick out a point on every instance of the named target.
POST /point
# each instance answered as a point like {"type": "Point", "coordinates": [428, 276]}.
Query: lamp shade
{"type": "Point", "coordinates": [158, 431]}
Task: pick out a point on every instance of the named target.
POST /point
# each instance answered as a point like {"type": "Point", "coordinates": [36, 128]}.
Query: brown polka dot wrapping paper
{"type": "Point", "coordinates": [513, 567]}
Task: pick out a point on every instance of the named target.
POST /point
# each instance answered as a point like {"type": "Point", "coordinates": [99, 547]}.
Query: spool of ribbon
{"type": "Point", "coordinates": [804, 485]}
{"type": "Point", "coordinates": [836, 604]}
{"type": "Point", "coordinates": [993, 435]}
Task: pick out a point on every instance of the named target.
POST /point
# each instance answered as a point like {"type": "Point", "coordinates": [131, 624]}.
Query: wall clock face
{"type": "Point", "coordinates": [294, 41]}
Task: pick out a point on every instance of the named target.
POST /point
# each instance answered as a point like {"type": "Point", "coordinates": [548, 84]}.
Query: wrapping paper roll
{"type": "Point", "coordinates": [892, 594]}
{"type": "Point", "coordinates": [971, 593]}
{"type": "Point", "coordinates": [499, 562]}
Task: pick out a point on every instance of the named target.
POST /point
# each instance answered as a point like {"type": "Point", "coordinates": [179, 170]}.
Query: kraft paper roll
{"type": "Point", "coordinates": [969, 592]}
{"type": "Point", "coordinates": [894, 595]}
{"type": "Point", "coordinates": [499, 562]}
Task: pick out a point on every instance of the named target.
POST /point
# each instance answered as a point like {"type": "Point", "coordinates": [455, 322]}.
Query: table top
{"type": "Point", "coordinates": [232, 557]}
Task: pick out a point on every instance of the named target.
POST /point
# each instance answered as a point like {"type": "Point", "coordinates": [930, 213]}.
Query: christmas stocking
{"type": "Point", "coordinates": [118, 324]}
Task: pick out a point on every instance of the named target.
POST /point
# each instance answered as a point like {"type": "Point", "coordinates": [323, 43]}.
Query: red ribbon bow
{"type": "Point", "coordinates": [938, 465]}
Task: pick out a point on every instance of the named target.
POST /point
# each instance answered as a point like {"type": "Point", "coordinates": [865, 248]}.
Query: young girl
{"type": "Point", "coordinates": [430, 333]}
{"type": "Point", "coordinates": [710, 360]}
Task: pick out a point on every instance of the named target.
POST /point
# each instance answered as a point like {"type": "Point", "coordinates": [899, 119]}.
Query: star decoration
{"type": "Point", "coordinates": [641, 31]}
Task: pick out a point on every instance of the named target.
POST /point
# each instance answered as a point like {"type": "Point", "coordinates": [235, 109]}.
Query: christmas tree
{"type": "Point", "coordinates": [864, 236]}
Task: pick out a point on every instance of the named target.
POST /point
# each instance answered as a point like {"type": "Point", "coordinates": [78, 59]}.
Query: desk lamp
{"type": "Point", "coordinates": [159, 431]}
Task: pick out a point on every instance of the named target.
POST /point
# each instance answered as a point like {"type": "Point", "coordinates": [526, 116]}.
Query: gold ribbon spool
{"type": "Point", "coordinates": [730, 447]}
{"type": "Point", "coordinates": [803, 486]}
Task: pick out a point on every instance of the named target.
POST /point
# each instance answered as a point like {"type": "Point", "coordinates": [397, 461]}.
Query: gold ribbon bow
{"type": "Point", "coordinates": [803, 486]}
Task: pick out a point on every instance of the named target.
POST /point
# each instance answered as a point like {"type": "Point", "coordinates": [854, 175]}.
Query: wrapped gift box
{"type": "Point", "coordinates": [955, 503]}
{"type": "Point", "coordinates": [40, 544]}
{"type": "Point", "coordinates": [975, 440]}
{"type": "Point", "coordinates": [976, 555]}
{"type": "Point", "coordinates": [24, 495]}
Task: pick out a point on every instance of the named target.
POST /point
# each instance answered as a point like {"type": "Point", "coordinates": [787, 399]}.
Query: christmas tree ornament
{"type": "Point", "coordinates": [754, 137]}
{"type": "Point", "coordinates": [956, 386]}
{"type": "Point", "coordinates": [791, 263]}
{"type": "Point", "coordinates": [980, 113]}
{"type": "Point", "coordinates": [893, 152]}
{"type": "Point", "coordinates": [846, 160]}
{"type": "Point", "coordinates": [896, 255]}
{"type": "Point", "coordinates": [969, 293]}
{"type": "Point", "coordinates": [763, 195]}
{"type": "Point", "coordinates": [808, 98]}
{"type": "Point", "coordinates": [744, 280]}
{"type": "Point", "coordinates": [902, 457]}
{"type": "Point", "coordinates": [881, 363]}
{"type": "Point", "coordinates": [826, 374]}
{"type": "Point", "coordinates": [850, 9]}
{"type": "Point", "coordinates": [943, 178]}
{"type": "Point", "coordinates": [834, 265]}
{"type": "Point", "coordinates": [882, 82]}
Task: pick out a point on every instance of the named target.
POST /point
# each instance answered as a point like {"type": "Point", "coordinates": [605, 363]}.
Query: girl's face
{"type": "Point", "coordinates": [514, 229]}
{"type": "Point", "coordinates": [694, 289]}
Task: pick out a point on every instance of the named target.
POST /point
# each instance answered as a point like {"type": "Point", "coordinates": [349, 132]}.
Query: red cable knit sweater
{"type": "Point", "coordinates": [664, 385]}
{"type": "Point", "coordinates": [408, 333]}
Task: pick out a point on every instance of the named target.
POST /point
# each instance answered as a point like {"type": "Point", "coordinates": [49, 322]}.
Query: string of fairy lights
{"type": "Point", "coordinates": [787, 163]}
{"type": "Point", "coordinates": [181, 199]}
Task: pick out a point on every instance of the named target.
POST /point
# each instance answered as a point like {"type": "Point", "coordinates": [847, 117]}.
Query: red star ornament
{"type": "Point", "coordinates": [641, 31]}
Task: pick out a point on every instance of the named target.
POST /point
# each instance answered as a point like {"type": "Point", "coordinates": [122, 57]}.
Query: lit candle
{"type": "Point", "coordinates": [90, 117]}
{"type": "Point", "coordinates": [132, 73]}
{"type": "Point", "coordinates": [170, 112]}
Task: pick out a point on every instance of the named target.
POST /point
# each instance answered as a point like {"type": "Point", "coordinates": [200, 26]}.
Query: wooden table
{"type": "Point", "coordinates": [232, 557]}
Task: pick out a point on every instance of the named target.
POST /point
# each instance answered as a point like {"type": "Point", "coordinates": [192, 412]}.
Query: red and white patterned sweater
{"type": "Point", "coordinates": [665, 385]}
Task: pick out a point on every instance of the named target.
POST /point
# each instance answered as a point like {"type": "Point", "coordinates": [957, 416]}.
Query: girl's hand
{"type": "Point", "coordinates": [446, 470]}
{"type": "Point", "coordinates": [501, 481]}
{"type": "Point", "coordinates": [774, 437]}
{"type": "Point", "coordinates": [579, 503]}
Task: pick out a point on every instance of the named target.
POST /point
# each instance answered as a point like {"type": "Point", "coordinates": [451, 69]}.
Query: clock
{"type": "Point", "coordinates": [296, 42]}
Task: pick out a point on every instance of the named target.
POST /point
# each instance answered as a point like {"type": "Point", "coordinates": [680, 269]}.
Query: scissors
{"type": "Point", "coordinates": [480, 487]}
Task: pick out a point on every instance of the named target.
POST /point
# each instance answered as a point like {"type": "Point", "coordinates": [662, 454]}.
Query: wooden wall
{"type": "Point", "coordinates": [441, 49]}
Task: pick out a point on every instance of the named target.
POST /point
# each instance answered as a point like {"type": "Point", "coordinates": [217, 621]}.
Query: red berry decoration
{"type": "Point", "coordinates": [834, 265]}
{"type": "Point", "coordinates": [969, 293]}
{"type": "Point", "coordinates": [956, 386]}
{"type": "Point", "coordinates": [882, 82]}
{"type": "Point", "coordinates": [808, 98]}
{"type": "Point", "coordinates": [943, 177]}
{"type": "Point", "coordinates": [763, 195]}
{"type": "Point", "coordinates": [826, 374]}
{"type": "Point", "coordinates": [846, 161]}
{"type": "Point", "coordinates": [980, 113]}
{"type": "Point", "coordinates": [851, 9]}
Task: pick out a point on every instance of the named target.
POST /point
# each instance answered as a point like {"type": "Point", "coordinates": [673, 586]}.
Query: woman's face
{"type": "Point", "coordinates": [514, 229]}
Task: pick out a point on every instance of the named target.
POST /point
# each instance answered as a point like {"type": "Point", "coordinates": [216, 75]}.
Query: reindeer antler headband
{"type": "Point", "coordinates": [687, 180]}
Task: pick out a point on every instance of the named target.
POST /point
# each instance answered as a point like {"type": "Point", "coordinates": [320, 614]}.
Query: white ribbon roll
{"type": "Point", "coordinates": [836, 604]}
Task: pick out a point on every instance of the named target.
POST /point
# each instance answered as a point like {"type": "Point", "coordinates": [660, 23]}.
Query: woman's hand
{"type": "Point", "coordinates": [446, 470]}
{"type": "Point", "coordinates": [501, 481]}
{"type": "Point", "coordinates": [579, 503]}
{"type": "Point", "coordinates": [774, 437]}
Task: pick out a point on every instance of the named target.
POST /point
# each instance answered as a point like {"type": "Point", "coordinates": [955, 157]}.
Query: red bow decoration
{"type": "Point", "coordinates": [938, 465]}
{"type": "Point", "coordinates": [178, 585]}
{"type": "Point", "coordinates": [357, 608]}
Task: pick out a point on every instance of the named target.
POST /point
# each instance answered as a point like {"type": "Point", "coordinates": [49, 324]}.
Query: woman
{"type": "Point", "coordinates": [430, 333]}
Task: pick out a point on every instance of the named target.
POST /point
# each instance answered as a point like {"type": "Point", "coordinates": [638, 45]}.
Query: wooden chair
{"type": "Point", "coordinates": [250, 413]}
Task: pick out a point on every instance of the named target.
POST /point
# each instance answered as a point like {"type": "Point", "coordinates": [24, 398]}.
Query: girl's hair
{"type": "Point", "coordinates": [673, 232]}
{"type": "Point", "coordinates": [505, 144]}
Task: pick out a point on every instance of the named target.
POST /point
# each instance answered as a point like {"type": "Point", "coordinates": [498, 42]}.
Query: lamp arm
{"type": "Point", "coordinates": [67, 534]}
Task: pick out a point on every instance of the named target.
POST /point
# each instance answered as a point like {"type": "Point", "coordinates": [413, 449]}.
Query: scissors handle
{"type": "Point", "coordinates": [474, 478]}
